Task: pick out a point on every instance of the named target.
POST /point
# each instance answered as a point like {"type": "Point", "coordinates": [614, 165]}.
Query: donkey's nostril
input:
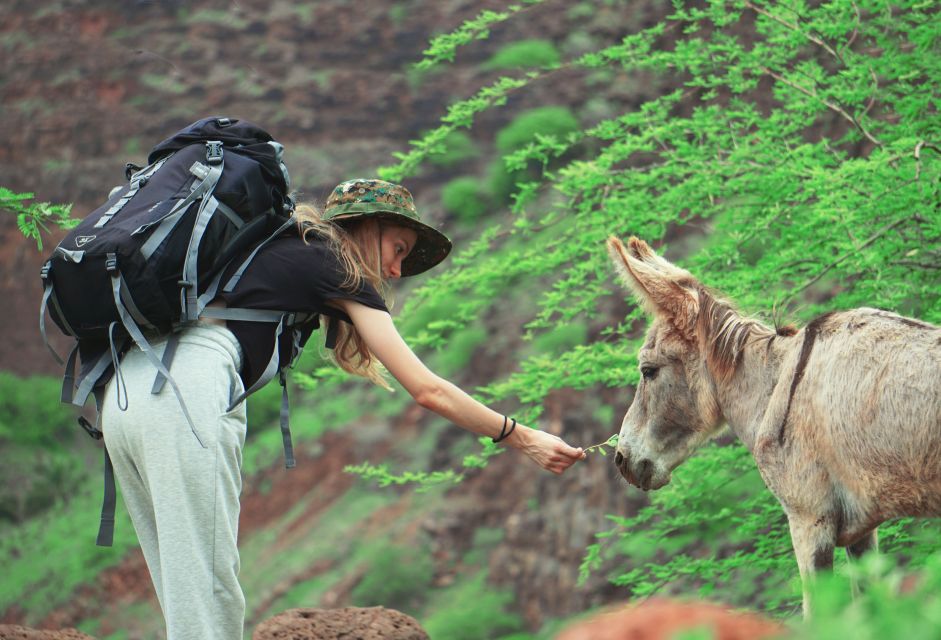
{"type": "Point", "coordinates": [644, 472]}
{"type": "Point", "coordinates": [618, 458]}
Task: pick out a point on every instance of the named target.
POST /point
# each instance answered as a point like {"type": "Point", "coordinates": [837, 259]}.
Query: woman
{"type": "Point", "coordinates": [183, 496]}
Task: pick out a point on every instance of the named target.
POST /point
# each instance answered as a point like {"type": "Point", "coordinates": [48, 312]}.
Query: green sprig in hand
{"type": "Point", "coordinates": [610, 442]}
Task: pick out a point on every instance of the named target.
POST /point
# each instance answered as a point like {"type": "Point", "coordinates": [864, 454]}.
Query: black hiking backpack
{"type": "Point", "coordinates": [148, 261]}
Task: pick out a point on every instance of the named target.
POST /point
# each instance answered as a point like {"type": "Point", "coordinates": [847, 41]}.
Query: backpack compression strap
{"type": "Point", "coordinates": [189, 284]}
{"type": "Point", "coordinates": [138, 181]}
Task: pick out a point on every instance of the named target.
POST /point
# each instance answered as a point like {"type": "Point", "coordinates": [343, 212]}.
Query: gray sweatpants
{"type": "Point", "coordinates": [183, 498]}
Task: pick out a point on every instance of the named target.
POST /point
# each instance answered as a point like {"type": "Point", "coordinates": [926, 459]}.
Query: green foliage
{"type": "Point", "coordinates": [30, 411]}
{"type": "Point", "coordinates": [226, 19]}
{"type": "Point", "coordinates": [471, 610]}
{"type": "Point", "coordinates": [456, 147]}
{"type": "Point", "coordinates": [524, 54]}
{"type": "Point", "coordinates": [546, 121]}
{"type": "Point", "coordinates": [537, 128]}
{"type": "Point", "coordinates": [561, 338]}
{"type": "Point", "coordinates": [398, 578]}
{"type": "Point", "coordinates": [37, 467]}
{"type": "Point", "coordinates": [444, 47]}
{"type": "Point", "coordinates": [49, 556]}
{"type": "Point", "coordinates": [891, 603]}
{"type": "Point", "coordinates": [170, 83]}
{"type": "Point", "coordinates": [806, 137]}
{"type": "Point", "coordinates": [459, 115]}
{"type": "Point", "coordinates": [465, 199]}
{"type": "Point", "coordinates": [32, 218]}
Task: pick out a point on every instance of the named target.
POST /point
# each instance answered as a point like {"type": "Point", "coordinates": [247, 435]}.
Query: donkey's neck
{"type": "Point", "coordinates": [744, 395]}
{"type": "Point", "coordinates": [742, 357]}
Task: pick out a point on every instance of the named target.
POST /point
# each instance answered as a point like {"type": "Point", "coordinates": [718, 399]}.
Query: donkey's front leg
{"type": "Point", "coordinates": [869, 543]}
{"type": "Point", "coordinates": [813, 540]}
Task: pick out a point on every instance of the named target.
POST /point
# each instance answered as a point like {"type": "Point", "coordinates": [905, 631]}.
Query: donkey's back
{"type": "Point", "coordinates": [865, 397]}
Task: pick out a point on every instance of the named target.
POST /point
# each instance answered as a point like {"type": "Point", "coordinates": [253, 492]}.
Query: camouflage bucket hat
{"type": "Point", "coordinates": [358, 199]}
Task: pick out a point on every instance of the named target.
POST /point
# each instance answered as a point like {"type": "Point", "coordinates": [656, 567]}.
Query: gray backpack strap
{"type": "Point", "coordinates": [141, 341]}
{"type": "Point", "coordinates": [168, 352]}
{"type": "Point", "coordinates": [106, 527]}
{"type": "Point", "coordinates": [210, 293]}
{"type": "Point", "coordinates": [68, 380]}
{"type": "Point", "coordinates": [272, 368]}
{"type": "Point", "coordinates": [189, 285]}
{"type": "Point", "coordinates": [284, 320]}
{"type": "Point", "coordinates": [48, 295]}
{"type": "Point", "coordinates": [289, 461]}
{"type": "Point", "coordinates": [229, 213]}
{"type": "Point", "coordinates": [209, 178]}
{"type": "Point", "coordinates": [109, 498]}
{"type": "Point", "coordinates": [243, 315]}
{"type": "Point", "coordinates": [267, 375]}
{"type": "Point", "coordinates": [230, 285]}
{"type": "Point", "coordinates": [138, 180]}
{"type": "Point", "coordinates": [87, 383]}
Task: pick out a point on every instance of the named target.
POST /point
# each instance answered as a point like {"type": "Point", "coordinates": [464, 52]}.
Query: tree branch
{"type": "Point", "coordinates": [878, 234]}
{"type": "Point", "coordinates": [833, 107]}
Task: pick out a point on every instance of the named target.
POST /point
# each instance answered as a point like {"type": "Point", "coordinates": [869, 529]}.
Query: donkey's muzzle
{"type": "Point", "coordinates": [640, 473]}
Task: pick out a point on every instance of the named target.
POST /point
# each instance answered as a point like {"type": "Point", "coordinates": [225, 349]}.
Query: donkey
{"type": "Point", "coordinates": [843, 417]}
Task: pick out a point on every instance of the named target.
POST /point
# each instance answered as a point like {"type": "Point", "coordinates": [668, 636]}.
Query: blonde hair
{"type": "Point", "coordinates": [357, 245]}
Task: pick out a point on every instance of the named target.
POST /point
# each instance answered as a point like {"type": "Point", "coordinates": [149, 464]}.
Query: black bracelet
{"type": "Point", "coordinates": [504, 434]}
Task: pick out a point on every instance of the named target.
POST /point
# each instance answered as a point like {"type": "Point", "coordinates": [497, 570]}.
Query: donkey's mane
{"type": "Point", "coordinates": [723, 333]}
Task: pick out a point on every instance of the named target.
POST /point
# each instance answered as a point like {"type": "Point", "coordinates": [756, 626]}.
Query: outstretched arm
{"type": "Point", "coordinates": [446, 399]}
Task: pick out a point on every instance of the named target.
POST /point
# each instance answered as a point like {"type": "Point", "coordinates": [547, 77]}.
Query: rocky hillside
{"type": "Point", "coordinates": [87, 87]}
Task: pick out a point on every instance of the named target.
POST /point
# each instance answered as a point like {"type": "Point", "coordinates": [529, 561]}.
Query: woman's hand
{"type": "Point", "coordinates": [447, 400]}
{"type": "Point", "coordinates": [548, 451]}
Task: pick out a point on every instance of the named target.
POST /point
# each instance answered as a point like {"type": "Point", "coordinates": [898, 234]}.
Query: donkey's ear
{"type": "Point", "coordinates": [662, 288]}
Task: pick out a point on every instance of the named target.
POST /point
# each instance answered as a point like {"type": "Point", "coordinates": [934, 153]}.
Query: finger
{"type": "Point", "coordinates": [570, 451]}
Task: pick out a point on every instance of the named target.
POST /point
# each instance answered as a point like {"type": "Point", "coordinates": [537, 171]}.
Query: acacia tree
{"type": "Point", "coordinates": [805, 138]}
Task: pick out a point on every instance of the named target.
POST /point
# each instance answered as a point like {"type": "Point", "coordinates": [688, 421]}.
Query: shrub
{"type": "Point", "coordinates": [30, 411]}
{"type": "Point", "coordinates": [458, 147]}
{"type": "Point", "coordinates": [545, 121]}
{"type": "Point", "coordinates": [556, 121]}
{"type": "Point", "coordinates": [37, 467]}
{"type": "Point", "coordinates": [465, 198]}
{"type": "Point", "coordinates": [398, 578]}
{"type": "Point", "coordinates": [524, 54]}
{"type": "Point", "coordinates": [561, 338]}
{"type": "Point", "coordinates": [471, 610]}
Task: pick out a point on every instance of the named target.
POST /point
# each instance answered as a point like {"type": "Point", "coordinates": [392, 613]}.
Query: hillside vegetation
{"type": "Point", "coordinates": [787, 154]}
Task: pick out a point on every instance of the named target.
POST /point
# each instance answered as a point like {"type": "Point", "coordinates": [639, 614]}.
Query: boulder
{"type": "Point", "coordinates": [661, 619]}
{"type": "Point", "coordinates": [16, 632]}
{"type": "Point", "coordinates": [372, 623]}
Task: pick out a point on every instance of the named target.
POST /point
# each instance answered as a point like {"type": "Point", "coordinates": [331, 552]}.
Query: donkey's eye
{"type": "Point", "coordinates": [649, 372]}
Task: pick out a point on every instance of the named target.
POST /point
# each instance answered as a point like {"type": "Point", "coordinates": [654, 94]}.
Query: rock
{"type": "Point", "coordinates": [16, 632]}
{"type": "Point", "coordinates": [663, 619]}
{"type": "Point", "coordinates": [372, 623]}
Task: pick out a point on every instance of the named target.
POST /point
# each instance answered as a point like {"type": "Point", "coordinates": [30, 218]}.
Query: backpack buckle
{"type": "Point", "coordinates": [89, 428]}
{"type": "Point", "coordinates": [111, 262]}
{"type": "Point", "coordinates": [44, 272]}
{"type": "Point", "coordinates": [214, 152]}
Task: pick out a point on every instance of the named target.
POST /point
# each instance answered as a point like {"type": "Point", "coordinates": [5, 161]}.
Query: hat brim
{"type": "Point", "coordinates": [431, 246]}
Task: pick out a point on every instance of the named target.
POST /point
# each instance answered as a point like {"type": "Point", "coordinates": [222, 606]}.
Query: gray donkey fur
{"type": "Point", "coordinates": [843, 417]}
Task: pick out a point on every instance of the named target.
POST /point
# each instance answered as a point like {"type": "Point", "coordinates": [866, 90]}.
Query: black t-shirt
{"type": "Point", "coordinates": [288, 275]}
